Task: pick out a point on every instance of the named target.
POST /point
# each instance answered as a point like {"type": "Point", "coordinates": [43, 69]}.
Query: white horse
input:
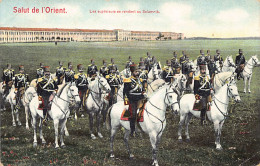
{"type": "Point", "coordinates": [180, 81]}
{"type": "Point", "coordinates": [153, 74]}
{"type": "Point", "coordinates": [221, 79]}
{"type": "Point", "coordinates": [126, 73]}
{"type": "Point", "coordinates": [154, 118]}
{"type": "Point", "coordinates": [248, 71]}
{"type": "Point", "coordinates": [26, 99]}
{"type": "Point", "coordinates": [2, 102]}
{"type": "Point", "coordinates": [218, 67]}
{"type": "Point", "coordinates": [94, 102]}
{"type": "Point", "coordinates": [59, 112]}
{"type": "Point", "coordinates": [217, 114]}
{"type": "Point", "coordinates": [229, 65]}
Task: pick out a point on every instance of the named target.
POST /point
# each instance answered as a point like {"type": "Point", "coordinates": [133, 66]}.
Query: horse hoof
{"type": "Point", "coordinates": [188, 140]}
{"type": "Point", "coordinates": [180, 140]}
{"type": "Point", "coordinates": [35, 144]}
{"type": "Point", "coordinates": [249, 92]}
{"type": "Point", "coordinates": [27, 127]}
{"type": "Point", "coordinates": [219, 148]}
{"type": "Point", "coordinates": [19, 123]}
{"type": "Point", "coordinates": [93, 136]}
{"type": "Point", "coordinates": [100, 135]}
{"type": "Point", "coordinates": [112, 156]}
{"type": "Point", "coordinates": [131, 156]}
{"type": "Point", "coordinates": [14, 124]}
{"type": "Point", "coordinates": [63, 146]}
{"type": "Point", "coordinates": [67, 134]}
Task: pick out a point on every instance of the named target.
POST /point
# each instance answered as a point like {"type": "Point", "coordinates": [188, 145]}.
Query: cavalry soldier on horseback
{"type": "Point", "coordinates": [219, 58]}
{"type": "Point", "coordinates": [148, 62]}
{"type": "Point", "coordinates": [104, 69]}
{"type": "Point", "coordinates": [240, 63]}
{"type": "Point", "coordinates": [202, 92]}
{"type": "Point", "coordinates": [40, 71]}
{"type": "Point", "coordinates": [133, 92]}
{"type": "Point", "coordinates": [207, 56]}
{"type": "Point", "coordinates": [46, 89]}
{"type": "Point", "coordinates": [129, 62]}
{"type": "Point", "coordinates": [7, 79]}
{"type": "Point", "coordinates": [182, 58]}
{"type": "Point", "coordinates": [92, 70]}
{"type": "Point", "coordinates": [114, 81]}
{"type": "Point", "coordinates": [187, 70]}
{"type": "Point", "coordinates": [167, 73]}
{"type": "Point", "coordinates": [174, 60]}
{"type": "Point", "coordinates": [212, 69]}
{"type": "Point", "coordinates": [112, 66]}
{"type": "Point", "coordinates": [60, 71]}
{"type": "Point", "coordinates": [143, 74]}
{"type": "Point", "coordinates": [69, 73]}
{"type": "Point", "coordinates": [201, 59]}
{"type": "Point", "coordinates": [82, 84]}
{"type": "Point", "coordinates": [21, 81]}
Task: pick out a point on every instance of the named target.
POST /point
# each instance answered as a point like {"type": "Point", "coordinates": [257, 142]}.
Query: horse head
{"type": "Point", "coordinates": [233, 91]}
{"type": "Point", "coordinates": [230, 61]}
{"type": "Point", "coordinates": [73, 92]}
{"type": "Point", "coordinates": [103, 84]}
{"type": "Point", "coordinates": [255, 60]}
{"type": "Point", "coordinates": [171, 98]}
{"type": "Point", "coordinates": [218, 67]}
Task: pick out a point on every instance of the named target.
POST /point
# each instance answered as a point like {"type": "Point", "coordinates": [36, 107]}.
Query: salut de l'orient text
{"type": "Point", "coordinates": [39, 10]}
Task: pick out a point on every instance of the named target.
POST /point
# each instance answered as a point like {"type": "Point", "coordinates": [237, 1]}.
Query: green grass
{"type": "Point", "coordinates": [239, 147]}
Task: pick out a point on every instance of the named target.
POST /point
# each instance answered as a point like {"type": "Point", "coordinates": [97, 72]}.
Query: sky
{"type": "Point", "coordinates": [194, 18]}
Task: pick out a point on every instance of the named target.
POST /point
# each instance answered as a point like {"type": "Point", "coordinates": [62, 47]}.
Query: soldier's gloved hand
{"type": "Point", "coordinates": [145, 95]}
{"type": "Point", "coordinates": [197, 97]}
{"type": "Point", "coordinates": [211, 91]}
{"type": "Point", "coordinates": [126, 102]}
{"type": "Point", "coordinates": [210, 103]}
{"type": "Point", "coordinates": [15, 90]}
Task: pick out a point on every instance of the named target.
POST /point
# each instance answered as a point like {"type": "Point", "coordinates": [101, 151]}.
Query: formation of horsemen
{"type": "Point", "coordinates": [133, 80]}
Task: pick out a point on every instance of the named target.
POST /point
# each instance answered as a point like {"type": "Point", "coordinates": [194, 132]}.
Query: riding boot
{"type": "Point", "coordinates": [132, 126]}
{"type": "Point", "coordinates": [203, 116]}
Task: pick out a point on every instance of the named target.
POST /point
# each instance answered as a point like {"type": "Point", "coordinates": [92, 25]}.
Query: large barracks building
{"type": "Point", "coordinates": [24, 35]}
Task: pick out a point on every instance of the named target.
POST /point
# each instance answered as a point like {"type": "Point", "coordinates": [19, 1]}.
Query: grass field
{"type": "Point", "coordinates": [240, 136]}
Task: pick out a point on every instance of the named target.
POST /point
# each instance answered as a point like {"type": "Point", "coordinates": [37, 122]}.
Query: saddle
{"type": "Point", "coordinates": [127, 113]}
{"type": "Point", "coordinates": [198, 106]}
{"type": "Point", "coordinates": [42, 104]}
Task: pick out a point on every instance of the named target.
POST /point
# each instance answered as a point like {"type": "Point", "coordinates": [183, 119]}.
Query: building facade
{"type": "Point", "coordinates": [29, 35]}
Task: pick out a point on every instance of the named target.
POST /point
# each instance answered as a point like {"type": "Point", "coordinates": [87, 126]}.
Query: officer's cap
{"type": "Point", "coordinates": [202, 67]}
{"type": "Point", "coordinates": [104, 61]}
{"type": "Point", "coordinates": [240, 50]}
{"type": "Point", "coordinates": [41, 64]}
{"type": "Point", "coordinates": [80, 67]}
{"type": "Point", "coordinates": [133, 67]}
{"type": "Point", "coordinates": [60, 63]}
{"type": "Point", "coordinates": [21, 67]}
{"type": "Point", "coordinates": [47, 69]}
{"type": "Point", "coordinates": [70, 63]}
{"type": "Point", "coordinates": [217, 51]}
{"type": "Point", "coordinates": [208, 51]}
{"type": "Point", "coordinates": [8, 65]}
{"type": "Point", "coordinates": [201, 51]}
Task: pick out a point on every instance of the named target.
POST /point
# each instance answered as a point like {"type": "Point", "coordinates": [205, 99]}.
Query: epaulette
{"type": "Point", "coordinates": [141, 79]}
{"type": "Point", "coordinates": [89, 65]}
{"type": "Point", "coordinates": [107, 76]}
{"type": "Point", "coordinates": [197, 77]}
{"type": "Point", "coordinates": [126, 80]}
{"type": "Point", "coordinates": [40, 79]}
{"type": "Point", "coordinates": [76, 76]}
{"type": "Point", "coordinates": [55, 79]}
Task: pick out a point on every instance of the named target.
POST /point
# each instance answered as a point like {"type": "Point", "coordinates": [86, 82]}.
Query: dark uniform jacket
{"type": "Point", "coordinates": [92, 70]}
{"type": "Point", "coordinates": [8, 75]}
{"type": "Point", "coordinates": [240, 59]}
{"type": "Point", "coordinates": [69, 75]}
{"type": "Point", "coordinates": [133, 89]}
{"type": "Point", "coordinates": [46, 86]}
{"type": "Point", "coordinates": [218, 58]}
{"type": "Point", "coordinates": [104, 70]}
{"type": "Point", "coordinates": [111, 66]}
{"type": "Point", "coordinates": [148, 61]}
{"type": "Point", "coordinates": [20, 80]}
{"type": "Point", "coordinates": [60, 71]}
{"type": "Point", "coordinates": [39, 72]}
{"type": "Point", "coordinates": [167, 73]}
{"type": "Point", "coordinates": [182, 59]}
{"type": "Point", "coordinates": [113, 80]}
{"type": "Point", "coordinates": [186, 68]}
{"type": "Point", "coordinates": [144, 75]}
{"type": "Point", "coordinates": [202, 85]}
{"type": "Point", "coordinates": [81, 81]}
{"type": "Point", "coordinates": [202, 60]}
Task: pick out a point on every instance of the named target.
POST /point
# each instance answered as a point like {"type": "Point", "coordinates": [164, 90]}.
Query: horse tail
{"type": "Point", "coordinates": [108, 119]}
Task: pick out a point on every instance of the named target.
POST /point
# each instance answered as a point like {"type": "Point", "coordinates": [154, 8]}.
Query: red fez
{"type": "Point", "coordinates": [133, 67]}
{"type": "Point", "coordinates": [47, 69]}
{"type": "Point", "coordinates": [21, 67]}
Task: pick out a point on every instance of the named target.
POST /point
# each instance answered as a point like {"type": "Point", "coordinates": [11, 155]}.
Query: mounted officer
{"type": "Point", "coordinates": [143, 73]}
{"type": "Point", "coordinates": [167, 73]}
{"type": "Point", "coordinates": [82, 84]}
{"type": "Point", "coordinates": [201, 60]}
{"type": "Point", "coordinates": [92, 69]}
{"type": "Point", "coordinates": [112, 66]}
{"type": "Point", "coordinates": [46, 89]}
{"type": "Point", "coordinates": [114, 81]}
{"type": "Point", "coordinates": [148, 62]}
{"type": "Point", "coordinates": [207, 56]}
{"type": "Point", "coordinates": [240, 63]}
{"type": "Point", "coordinates": [174, 60]}
{"type": "Point", "coordinates": [182, 58]}
{"type": "Point", "coordinates": [60, 71]}
{"type": "Point", "coordinates": [104, 69]}
{"type": "Point", "coordinates": [133, 93]}
{"type": "Point", "coordinates": [21, 81]}
{"type": "Point", "coordinates": [69, 73]}
{"type": "Point", "coordinates": [219, 58]}
{"type": "Point", "coordinates": [8, 75]}
{"type": "Point", "coordinates": [40, 71]}
{"type": "Point", "coordinates": [202, 92]}
{"type": "Point", "coordinates": [187, 70]}
{"type": "Point", "coordinates": [212, 69]}
{"type": "Point", "coordinates": [129, 62]}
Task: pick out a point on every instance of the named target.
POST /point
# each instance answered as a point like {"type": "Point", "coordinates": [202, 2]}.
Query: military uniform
{"type": "Point", "coordinates": [219, 58]}
{"type": "Point", "coordinates": [8, 75]}
{"type": "Point", "coordinates": [148, 61]}
{"type": "Point", "coordinates": [240, 63]}
{"type": "Point", "coordinates": [21, 80]}
{"type": "Point", "coordinates": [40, 71]}
{"type": "Point", "coordinates": [82, 83]}
{"type": "Point", "coordinates": [111, 67]}
{"type": "Point", "coordinates": [104, 69]}
{"type": "Point", "coordinates": [202, 92]}
{"type": "Point", "coordinates": [143, 74]}
{"type": "Point", "coordinates": [46, 86]}
{"type": "Point", "coordinates": [129, 62]}
{"type": "Point", "coordinates": [212, 69]}
{"type": "Point", "coordinates": [114, 82]}
{"type": "Point", "coordinates": [92, 69]}
{"type": "Point", "coordinates": [182, 58]}
{"type": "Point", "coordinates": [69, 74]}
{"type": "Point", "coordinates": [133, 92]}
{"type": "Point", "coordinates": [202, 59]}
{"type": "Point", "coordinates": [60, 71]}
{"type": "Point", "coordinates": [174, 60]}
{"type": "Point", "coordinates": [167, 73]}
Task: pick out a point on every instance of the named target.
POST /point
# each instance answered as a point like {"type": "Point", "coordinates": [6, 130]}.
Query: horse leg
{"type": "Point", "coordinates": [126, 140]}
{"type": "Point", "coordinates": [34, 125]}
{"type": "Point", "coordinates": [62, 130]}
{"type": "Point", "coordinates": [187, 121]}
{"type": "Point", "coordinates": [249, 82]}
{"type": "Point", "coordinates": [41, 135]}
{"type": "Point", "coordinates": [112, 137]}
{"type": "Point", "coordinates": [66, 131]}
{"type": "Point", "coordinates": [217, 135]}
{"type": "Point", "coordinates": [154, 141]}
{"type": "Point", "coordinates": [91, 126]}
{"type": "Point", "coordinates": [26, 110]}
{"type": "Point", "coordinates": [12, 108]}
{"type": "Point", "coordinates": [182, 120]}
{"type": "Point", "coordinates": [56, 128]}
{"type": "Point", "coordinates": [245, 79]}
{"type": "Point", "coordinates": [98, 125]}
{"type": "Point", "coordinates": [17, 118]}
